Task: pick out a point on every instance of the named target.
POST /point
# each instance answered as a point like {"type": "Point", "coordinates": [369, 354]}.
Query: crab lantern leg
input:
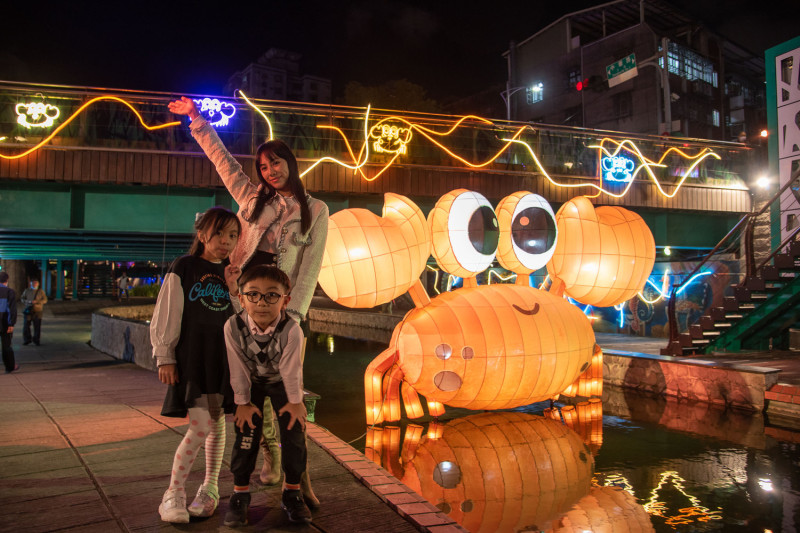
{"type": "Point", "coordinates": [391, 390]}
{"type": "Point", "coordinates": [435, 408]}
{"type": "Point", "coordinates": [411, 401]}
{"type": "Point", "coordinates": [373, 385]}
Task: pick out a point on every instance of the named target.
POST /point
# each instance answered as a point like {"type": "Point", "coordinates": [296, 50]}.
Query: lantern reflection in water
{"type": "Point", "coordinates": [504, 471]}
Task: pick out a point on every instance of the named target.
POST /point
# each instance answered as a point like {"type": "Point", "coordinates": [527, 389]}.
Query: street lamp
{"type": "Point", "coordinates": [506, 96]}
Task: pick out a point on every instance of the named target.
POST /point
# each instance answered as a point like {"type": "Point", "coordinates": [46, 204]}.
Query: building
{"type": "Point", "coordinates": [712, 88]}
{"type": "Point", "coordinates": [276, 76]}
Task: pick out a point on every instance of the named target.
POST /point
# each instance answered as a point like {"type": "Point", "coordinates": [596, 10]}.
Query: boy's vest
{"type": "Point", "coordinates": [263, 352]}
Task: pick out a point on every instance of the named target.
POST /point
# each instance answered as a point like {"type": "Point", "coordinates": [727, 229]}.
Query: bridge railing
{"type": "Point", "coordinates": [30, 113]}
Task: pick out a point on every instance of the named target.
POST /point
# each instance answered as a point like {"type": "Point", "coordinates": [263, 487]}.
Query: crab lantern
{"type": "Point", "coordinates": [370, 260]}
{"type": "Point", "coordinates": [603, 256]}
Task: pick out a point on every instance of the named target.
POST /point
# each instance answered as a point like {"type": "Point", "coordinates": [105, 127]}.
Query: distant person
{"type": "Point", "coordinates": [265, 348]}
{"type": "Point", "coordinates": [123, 282]}
{"type": "Point", "coordinates": [8, 317]}
{"type": "Point", "coordinates": [33, 298]}
{"type": "Point", "coordinates": [282, 225]}
{"type": "Point", "coordinates": [189, 346]}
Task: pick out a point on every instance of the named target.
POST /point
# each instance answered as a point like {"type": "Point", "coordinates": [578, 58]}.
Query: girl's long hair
{"type": "Point", "coordinates": [278, 148]}
{"type": "Point", "coordinates": [215, 218]}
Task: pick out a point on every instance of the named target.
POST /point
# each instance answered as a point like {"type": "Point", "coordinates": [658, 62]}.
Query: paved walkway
{"type": "Point", "coordinates": [84, 448]}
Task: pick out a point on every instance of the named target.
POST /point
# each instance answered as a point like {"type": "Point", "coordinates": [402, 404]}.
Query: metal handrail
{"type": "Point", "coordinates": [750, 260]}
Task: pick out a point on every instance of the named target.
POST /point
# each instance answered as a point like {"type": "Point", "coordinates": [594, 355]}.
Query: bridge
{"type": "Point", "coordinates": [92, 177]}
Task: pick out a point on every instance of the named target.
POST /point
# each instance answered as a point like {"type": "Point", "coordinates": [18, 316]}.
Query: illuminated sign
{"type": "Point", "coordinates": [42, 115]}
{"type": "Point", "coordinates": [390, 139]}
{"type": "Point", "coordinates": [617, 168]}
{"type": "Point", "coordinates": [212, 107]}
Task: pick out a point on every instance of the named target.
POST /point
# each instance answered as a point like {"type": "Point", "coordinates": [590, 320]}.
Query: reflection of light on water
{"type": "Point", "coordinates": [684, 516]}
{"type": "Point", "coordinates": [765, 484]}
{"type": "Point", "coordinates": [330, 343]}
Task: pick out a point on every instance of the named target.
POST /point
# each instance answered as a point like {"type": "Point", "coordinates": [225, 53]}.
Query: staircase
{"type": "Point", "coordinates": [764, 305]}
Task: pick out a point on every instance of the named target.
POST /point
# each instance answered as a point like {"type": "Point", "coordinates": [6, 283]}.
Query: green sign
{"type": "Point", "coordinates": [621, 70]}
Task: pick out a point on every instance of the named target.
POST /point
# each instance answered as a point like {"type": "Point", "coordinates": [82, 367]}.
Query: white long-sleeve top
{"type": "Point", "coordinates": [165, 326]}
{"type": "Point", "coordinates": [290, 365]}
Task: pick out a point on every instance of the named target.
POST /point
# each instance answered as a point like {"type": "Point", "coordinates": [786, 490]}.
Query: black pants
{"type": "Point", "coordinates": [37, 329]}
{"type": "Point", "coordinates": [293, 441]}
{"type": "Point", "coordinates": [8, 352]}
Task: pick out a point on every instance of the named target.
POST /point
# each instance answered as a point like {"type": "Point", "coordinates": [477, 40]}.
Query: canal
{"type": "Point", "coordinates": [628, 463]}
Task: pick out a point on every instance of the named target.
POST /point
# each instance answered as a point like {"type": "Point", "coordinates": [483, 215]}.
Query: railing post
{"type": "Point", "coordinates": [673, 323]}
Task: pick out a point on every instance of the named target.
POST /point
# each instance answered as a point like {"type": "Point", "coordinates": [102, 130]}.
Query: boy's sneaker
{"type": "Point", "coordinates": [297, 510]}
{"type": "Point", "coordinates": [237, 509]}
{"type": "Point", "coordinates": [205, 503]}
{"type": "Point", "coordinates": [173, 507]}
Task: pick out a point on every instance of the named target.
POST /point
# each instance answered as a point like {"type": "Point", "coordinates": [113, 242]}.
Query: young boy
{"type": "Point", "coordinates": [264, 355]}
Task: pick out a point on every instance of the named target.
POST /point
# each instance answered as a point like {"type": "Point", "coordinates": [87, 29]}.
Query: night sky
{"type": "Point", "coordinates": [450, 48]}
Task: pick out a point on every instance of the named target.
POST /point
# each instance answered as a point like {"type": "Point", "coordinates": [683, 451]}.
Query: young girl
{"type": "Point", "coordinates": [189, 346]}
{"type": "Point", "coordinates": [282, 225]}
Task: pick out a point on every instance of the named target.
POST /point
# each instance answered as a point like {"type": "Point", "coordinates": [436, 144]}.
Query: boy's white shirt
{"type": "Point", "coordinates": [290, 365]}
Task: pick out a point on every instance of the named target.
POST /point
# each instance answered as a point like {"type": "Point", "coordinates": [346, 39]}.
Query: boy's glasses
{"type": "Point", "coordinates": [254, 296]}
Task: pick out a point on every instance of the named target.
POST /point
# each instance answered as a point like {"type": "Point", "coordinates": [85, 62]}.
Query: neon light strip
{"type": "Point", "coordinates": [501, 278]}
{"type": "Point", "coordinates": [691, 280]}
{"type": "Point", "coordinates": [365, 148]}
{"type": "Point", "coordinates": [251, 104]}
{"type": "Point", "coordinates": [76, 113]}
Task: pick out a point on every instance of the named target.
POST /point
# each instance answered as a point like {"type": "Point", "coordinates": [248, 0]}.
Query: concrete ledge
{"type": "Point", "coordinates": [740, 386]}
{"type": "Point", "coordinates": [120, 332]}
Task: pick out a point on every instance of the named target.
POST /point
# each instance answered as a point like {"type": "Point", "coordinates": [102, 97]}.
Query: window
{"type": "Point", "coordinates": [573, 77]}
{"type": "Point", "coordinates": [535, 93]}
{"type": "Point", "coordinates": [715, 118]}
{"type": "Point", "coordinates": [689, 64]}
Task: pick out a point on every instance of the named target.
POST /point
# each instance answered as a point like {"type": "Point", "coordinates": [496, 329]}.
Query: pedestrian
{"type": "Point", "coordinates": [189, 347]}
{"type": "Point", "coordinates": [282, 225]}
{"type": "Point", "coordinates": [33, 298]}
{"type": "Point", "coordinates": [123, 282]}
{"type": "Point", "coordinates": [265, 359]}
{"type": "Point", "coordinates": [8, 317]}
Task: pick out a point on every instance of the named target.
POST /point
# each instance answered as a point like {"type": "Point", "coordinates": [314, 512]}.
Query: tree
{"type": "Point", "coordinates": [394, 94]}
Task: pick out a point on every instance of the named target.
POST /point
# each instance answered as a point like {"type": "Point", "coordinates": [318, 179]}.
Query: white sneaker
{"type": "Point", "coordinates": [205, 503]}
{"type": "Point", "coordinates": [173, 507]}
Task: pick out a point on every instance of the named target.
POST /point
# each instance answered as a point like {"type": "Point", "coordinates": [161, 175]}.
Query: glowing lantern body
{"type": "Point", "coordinates": [489, 347]}
{"type": "Point", "coordinates": [500, 471]}
{"type": "Point", "coordinates": [370, 260]}
{"type": "Point", "coordinates": [603, 255]}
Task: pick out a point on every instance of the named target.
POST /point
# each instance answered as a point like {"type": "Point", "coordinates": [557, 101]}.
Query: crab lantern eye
{"type": "Point", "coordinates": [528, 232]}
{"type": "Point", "coordinates": [465, 232]}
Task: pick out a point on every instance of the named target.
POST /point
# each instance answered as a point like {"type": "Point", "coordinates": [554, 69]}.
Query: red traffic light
{"type": "Point", "coordinates": [583, 84]}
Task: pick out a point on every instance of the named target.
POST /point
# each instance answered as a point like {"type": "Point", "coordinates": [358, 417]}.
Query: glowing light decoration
{"type": "Point", "coordinates": [390, 138]}
{"type": "Point", "coordinates": [617, 168]}
{"type": "Point", "coordinates": [479, 469]}
{"type": "Point", "coordinates": [213, 107]}
{"type": "Point", "coordinates": [607, 257]}
{"type": "Point", "coordinates": [41, 115]}
{"type": "Point", "coordinates": [490, 347]}
{"type": "Point", "coordinates": [78, 112]}
{"type": "Point", "coordinates": [528, 232]}
{"type": "Point", "coordinates": [370, 260]}
{"type": "Point", "coordinates": [464, 233]}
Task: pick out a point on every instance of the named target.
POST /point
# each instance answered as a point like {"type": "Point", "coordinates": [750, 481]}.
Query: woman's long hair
{"type": "Point", "coordinates": [278, 148]}
{"type": "Point", "coordinates": [215, 218]}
